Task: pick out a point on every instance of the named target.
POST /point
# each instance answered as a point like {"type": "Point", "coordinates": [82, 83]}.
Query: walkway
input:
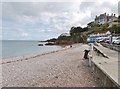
{"type": "Point", "coordinates": [109, 65]}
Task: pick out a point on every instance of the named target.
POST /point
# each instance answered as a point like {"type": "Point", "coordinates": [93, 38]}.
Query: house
{"type": "Point", "coordinates": [102, 19]}
{"type": "Point", "coordinates": [115, 22]}
{"type": "Point", "coordinates": [95, 37]}
{"type": "Point", "coordinates": [105, 18]}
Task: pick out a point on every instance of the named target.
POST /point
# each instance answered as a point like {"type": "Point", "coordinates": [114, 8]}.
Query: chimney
{"type": "Point", "coordinates": [114, 15]}
{"type": "Point", "coordinates": [105, 13]}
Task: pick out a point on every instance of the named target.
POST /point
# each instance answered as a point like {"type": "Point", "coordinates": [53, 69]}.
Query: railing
{"type": "Point", "coordinates": [105, 79]}
{"type": "Point", "coordinates": [112, 46]}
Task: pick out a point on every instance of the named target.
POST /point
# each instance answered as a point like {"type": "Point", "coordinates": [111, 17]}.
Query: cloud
{"type": "Point", "coordinates": [24, 34]}
{"type": "Point", "coordinates": [42, 20]}
{"type": "Point", "coordinates": [40, 30]}
{"type": "Point", "coordinates": [97, 8]}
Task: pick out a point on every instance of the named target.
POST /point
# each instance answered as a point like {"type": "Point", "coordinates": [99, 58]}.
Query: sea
{"type": "Point", "coordinates": [14, 48]}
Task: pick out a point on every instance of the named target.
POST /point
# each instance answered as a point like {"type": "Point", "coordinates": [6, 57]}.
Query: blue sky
{"type": "Point", "coordinates": [41, 20]}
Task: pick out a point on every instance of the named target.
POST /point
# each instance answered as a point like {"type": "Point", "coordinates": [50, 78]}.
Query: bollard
{"type": "Point", "coordinates": [89, 60]}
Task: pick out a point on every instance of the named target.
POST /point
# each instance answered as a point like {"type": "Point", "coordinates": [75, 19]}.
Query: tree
{"type": "Point", "coordinates": [115, 29]}
{"type": "Point", "coordinates": [119, 18]}
{"type": "Point", "coordinates": [92, 24]}
{"type": "Point", "coordinates": [105, 26]}
{"type": "Point", "coordinates": [52, 40]}
{"type": "Point", "coordinates": [75, 33]}
{"type": "Point", "coordinates": [75, 30]}
{"type": "Point", "coordinates": [85, 29]}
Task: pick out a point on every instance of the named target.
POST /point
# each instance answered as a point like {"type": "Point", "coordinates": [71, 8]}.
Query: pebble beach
{"type": "Point", "coordinates": [61, 68]}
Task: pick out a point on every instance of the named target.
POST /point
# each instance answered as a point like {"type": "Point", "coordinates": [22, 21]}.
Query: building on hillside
{"type": "Point", "coordinates": [65, 34]}
{"type": "Point", "coordinates": [105, 18]}
{"type": "Point", "coordinates": [100, 36]}
{"type": "Point", "coordinates": [115, 22]}
{"type": "Point", "coordinates": [102, 19]}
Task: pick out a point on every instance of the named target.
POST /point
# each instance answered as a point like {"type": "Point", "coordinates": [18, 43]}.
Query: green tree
{"type": "Point", "coordinates": [93, 24]}
{"type": "Point", "coordinates": [75, 33]}
{"type": "Point", "coordinates": [75, 30]}
{"type": "Point", "coordinates": [119, 18]}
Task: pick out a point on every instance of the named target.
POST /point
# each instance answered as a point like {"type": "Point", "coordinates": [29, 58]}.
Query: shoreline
{"type": "Point", "coordinates": [16, 48]}
{"type": "Point", "coordinates": [34, 55]}
{"type": "Point", "coordinates": [61, 68]}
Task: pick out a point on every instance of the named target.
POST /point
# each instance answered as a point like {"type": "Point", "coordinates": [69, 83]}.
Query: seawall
{"type": "Point", "coordinates": [105, 68]}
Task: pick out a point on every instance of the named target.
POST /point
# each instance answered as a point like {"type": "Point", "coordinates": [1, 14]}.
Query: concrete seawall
{"type": "Point", "coordinates": [105, 79]}
{"type": "Point", "coordinates": [105, 69]}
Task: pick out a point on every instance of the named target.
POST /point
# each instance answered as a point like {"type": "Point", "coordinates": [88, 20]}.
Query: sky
{"type": "Point", "coordinates": [45, 19]}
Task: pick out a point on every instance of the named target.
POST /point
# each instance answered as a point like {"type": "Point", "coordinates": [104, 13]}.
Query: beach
{"type": "Point", "coordinates": [61, 68]}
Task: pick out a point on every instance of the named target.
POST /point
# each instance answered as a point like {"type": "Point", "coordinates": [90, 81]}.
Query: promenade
{"type": "Point", "coordinates": [63, 68]}
{"type": "Point", "coordinates": [109, 66]}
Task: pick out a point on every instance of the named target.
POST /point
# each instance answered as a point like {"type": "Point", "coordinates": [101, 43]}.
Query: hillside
{"type": "Point", "coordinates": [79, 34]}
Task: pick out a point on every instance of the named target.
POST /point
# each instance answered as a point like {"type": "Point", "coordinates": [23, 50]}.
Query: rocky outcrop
{"type": "Point", "coordinates": [50, 43]}
{"type": "Point", "coordinates": [40, 44]}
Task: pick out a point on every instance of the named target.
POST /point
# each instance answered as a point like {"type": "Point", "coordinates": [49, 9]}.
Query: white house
{"type": "Point", "coordinates": [105, 18]}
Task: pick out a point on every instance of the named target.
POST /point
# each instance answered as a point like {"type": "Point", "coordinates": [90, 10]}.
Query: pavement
{"type": "Point", "coordinates": [110, 65]}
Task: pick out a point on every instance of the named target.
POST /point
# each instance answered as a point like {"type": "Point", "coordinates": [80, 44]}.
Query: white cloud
{"type": "Point", "coordinates": [24, 34]}
{"type": "Point", "coordinates": [51, 17]}
{"type": "Point", "coordinates": [40, 30]}
{"type": "Point", "coordinates": [42, 0]}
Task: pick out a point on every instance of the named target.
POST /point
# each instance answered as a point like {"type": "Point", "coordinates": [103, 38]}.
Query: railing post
{"type": "Point", "coordinates": [89, 60]}
{"type": "Point", "coordinates": [90, 54]}
{"type": "Point", "coordinates": [91, 48]}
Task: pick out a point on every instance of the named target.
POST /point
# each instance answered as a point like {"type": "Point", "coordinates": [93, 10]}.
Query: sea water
{"type": "Point", "coordinates": [12, 48]}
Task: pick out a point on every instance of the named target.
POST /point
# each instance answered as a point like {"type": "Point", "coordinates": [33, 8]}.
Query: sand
{"type": "Point", "coordinates": [61, 68]}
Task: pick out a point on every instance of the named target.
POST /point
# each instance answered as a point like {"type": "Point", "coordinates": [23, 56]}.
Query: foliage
{"type": "Point", "coordinates": [93, 24]}
{"type": "Point", "coordinates": [85, 29]}
{"type": "Point", "coordinates": [76, 33]}
{"type": "Point", "coordinates": [52, 40]}
{"type": "Point", "coordinates": [104, 27]}
{"type": "Point", "coordinates": [75, 30]}
{"type": "Point", "coordinates": [119, 19]}
{"type": "Point", "coordinates": [115, 29]}
{"type": "Point", "coordinates": [64, 40]}
{"type": "Point", "coordinates": [68, 38]}
{"type": "Point", "coordinates": [79, 34]}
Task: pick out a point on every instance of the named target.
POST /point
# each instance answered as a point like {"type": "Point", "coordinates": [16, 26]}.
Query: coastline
{"type": "Point", "coordinates": [30, 56]}
{"type": "Point", "coordinates": [16, 48]}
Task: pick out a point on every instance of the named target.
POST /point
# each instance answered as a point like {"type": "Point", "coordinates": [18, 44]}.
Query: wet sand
{"type": "Point", "coordinates": [62, 68]}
